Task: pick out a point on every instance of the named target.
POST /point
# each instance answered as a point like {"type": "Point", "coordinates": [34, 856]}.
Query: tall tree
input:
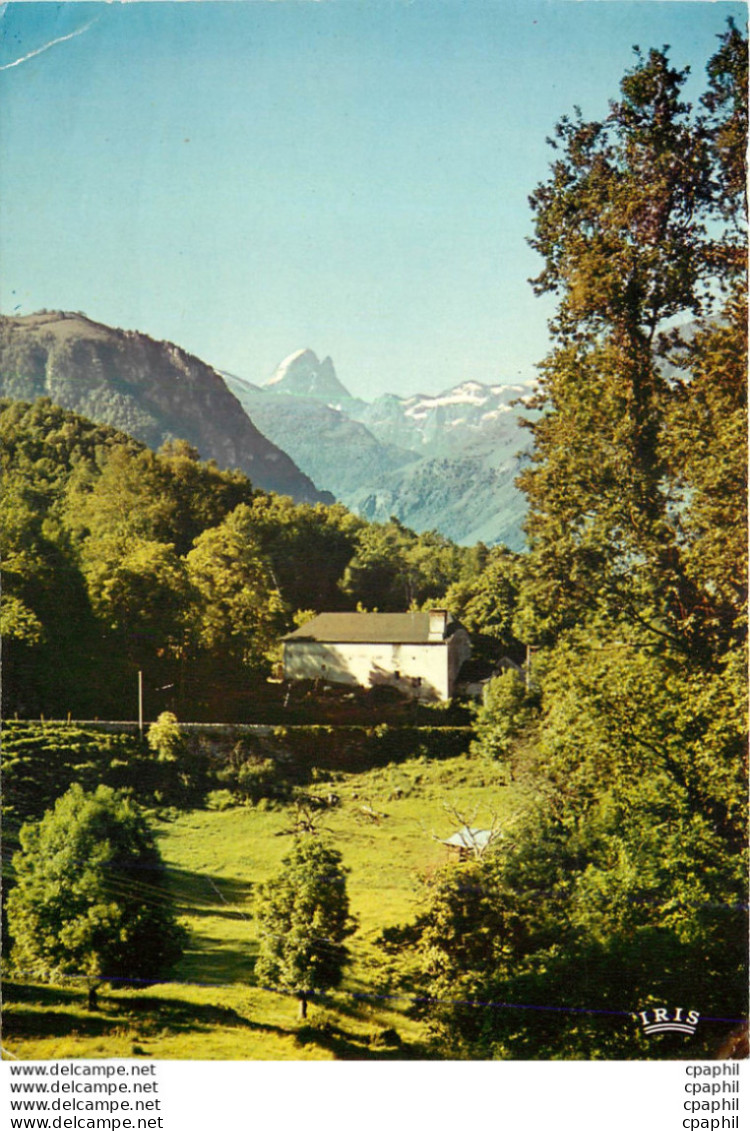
{"type": "Point", "coordinates": [91, 900]}
{"type": "Point", "coordinates": [628, 225]}
{"type": "Point", "coordinates": [304, 919]}
{"type": "Point", "coordinates": [239, 610]}
{"type": "Point", "coordinates": [623, 877]}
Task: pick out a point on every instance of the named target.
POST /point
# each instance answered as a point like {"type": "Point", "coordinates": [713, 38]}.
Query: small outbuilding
{"type": "Point", "coordinates": [470, 842]}
{"type": "Point", "coordinates": [418, 653]}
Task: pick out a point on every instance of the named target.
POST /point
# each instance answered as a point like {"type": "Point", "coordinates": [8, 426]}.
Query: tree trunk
{"type": "Point", "coordinates": [302, 1007]}
{"type": "Point", "coordinates": [92, 1001]}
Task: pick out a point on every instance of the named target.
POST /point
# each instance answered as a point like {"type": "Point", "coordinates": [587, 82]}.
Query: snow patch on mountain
{"type": "Point", "coordinates": [445, 461]}
{"type": "Point", "coordinates": [282, 370]}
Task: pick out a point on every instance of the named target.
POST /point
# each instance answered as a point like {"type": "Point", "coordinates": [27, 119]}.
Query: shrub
{"type": "Point", "coordinates": [221, 799]}
{"type": "Point", "coordinates": [91, 898]}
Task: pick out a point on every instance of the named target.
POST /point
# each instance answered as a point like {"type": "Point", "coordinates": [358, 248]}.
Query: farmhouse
{"type": "Point", "coordinates": [420, 654]}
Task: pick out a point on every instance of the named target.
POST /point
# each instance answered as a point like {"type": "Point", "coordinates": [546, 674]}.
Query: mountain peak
{"type": "Point", "coordinates": [304, 359]}
{"type": "Point", "coordinates": [303, 375]}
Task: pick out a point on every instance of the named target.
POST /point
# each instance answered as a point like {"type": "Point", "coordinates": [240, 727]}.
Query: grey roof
{"type": "Point", "coordinates": [368, 628]}
{"type": "Point", "coordinates": [469, 838]}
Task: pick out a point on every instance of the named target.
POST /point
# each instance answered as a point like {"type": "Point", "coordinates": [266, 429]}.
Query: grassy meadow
{"type": "Point", "coordinates": [387, 823]}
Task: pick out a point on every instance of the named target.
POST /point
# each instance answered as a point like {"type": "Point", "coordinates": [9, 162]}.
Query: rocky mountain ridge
{"type": "Point", "coordinates": [445, 462]}
{"type": "Point", "coordinates": [303, 375]}
{"type": "Point", "coordinates": [153, 390]}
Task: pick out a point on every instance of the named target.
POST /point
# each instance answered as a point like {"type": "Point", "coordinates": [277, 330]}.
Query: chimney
{"type": "Point", "coordinates": [438, 623]}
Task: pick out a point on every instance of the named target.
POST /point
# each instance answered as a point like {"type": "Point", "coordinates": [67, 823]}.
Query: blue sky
{"type": "Point", "coordinates": [250, 178]}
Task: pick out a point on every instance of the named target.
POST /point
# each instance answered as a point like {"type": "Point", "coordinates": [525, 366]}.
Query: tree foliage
{"type": "Point", "coordinates": [620, 885]}
{"type": "Point", "coordinates": [117, 560]}
{"type": "Point", "coordinates": [239, 612]}
{"type": "Point", "coordinates": [506, 708]}
{"type": "Point", "coordinates": [90, 899]}
{"type": "Point", "coordinates": [304, 919]}
{"type": "Point", "coordinates": [394, 569]}
{"type": "Point", "coordinates": [635, 231]}
{"type": "Point", "coordinates": [485, 598]}
{"type": "Point", "coordinates": [165, 739]}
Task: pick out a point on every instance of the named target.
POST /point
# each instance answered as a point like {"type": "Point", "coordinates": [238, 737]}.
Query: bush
{"type": "Point", "coordinates": [91, 898]}
{"type": "Point", "coordinates": [504, 713]}
{"type": "Point", "coordinates": [221, 799]}
{"type": "Point", "coordinates": [165, 738]}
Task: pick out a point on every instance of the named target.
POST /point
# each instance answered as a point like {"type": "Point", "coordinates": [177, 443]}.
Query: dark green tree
{"type": "Point", "coordinates": [506, 708]}
{"type": "Point", "coordinates": [705, 445]}
{"type": "Point", "coordinates": [238, 611]}
{"type": "Point", "coordinates": [623, 875]}
{"type": "Point", "coordinates": [727, 129]}
{"type": "Point", "coordinates": [91, 900]}
{"type": "Point", "coordinates": [165, 738]}
{"type": "Point", "coordinates": [47, 625]}
{"type": "Point", "coordinates": [485, 601]}
{"type": "Point", "coordinates": [293, 535]}
{"type": "Point", "coordinates": [304, 919]}
{"type": "Point", "coordinates": [620, 885]}
{"type": "Point", "coordinates": [630, 225]}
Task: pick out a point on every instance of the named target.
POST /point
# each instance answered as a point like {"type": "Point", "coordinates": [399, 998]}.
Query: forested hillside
{"type": "Point", "coordinates": [152, 390]}
{"type": "Point", "coordinates": [117, 559]}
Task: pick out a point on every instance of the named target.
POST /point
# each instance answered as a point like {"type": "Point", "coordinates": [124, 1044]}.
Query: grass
{"type": "Point", "coordinates": [386, 823]}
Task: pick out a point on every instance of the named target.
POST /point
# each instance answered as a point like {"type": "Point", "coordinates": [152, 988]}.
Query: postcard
{"type": "Point", "coordinates": [373, 438]}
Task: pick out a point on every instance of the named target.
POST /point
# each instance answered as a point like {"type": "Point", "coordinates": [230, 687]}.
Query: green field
{"type": "Point", "coordinates": [386, 822]}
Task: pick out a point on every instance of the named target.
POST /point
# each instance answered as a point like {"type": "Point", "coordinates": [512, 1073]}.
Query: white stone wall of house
{"type": "Point", "coordinates": [420, 670]}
